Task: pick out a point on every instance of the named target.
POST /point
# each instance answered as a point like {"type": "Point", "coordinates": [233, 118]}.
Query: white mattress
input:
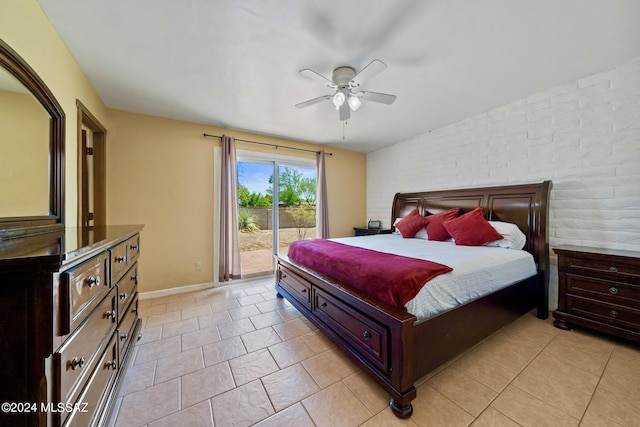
{"type": "Point", "coordinates": [477, 270]}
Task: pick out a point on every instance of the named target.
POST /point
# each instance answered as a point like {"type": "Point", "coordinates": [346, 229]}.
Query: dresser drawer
{"type": "Point", "coordinates": [82, 289]}
{"type": "Point", "coordinates": [125, 330]}
{"type": "Point", "coordinates": [614, 314]}
{"type": "Point", "coordinates": [93, 399]}
{"type": "Point", "coordinates": [123, 256]}
{"type": "Point", "coordinates": [296, 287]}
{"type": "Point", "coordinates": [127, 287]}
{"type": "Point", "coordinates": [608, 267]}
{"type": "Point", "coordinates": [615, 292]}
{"type": "Point", "coordinates": [76, 357]}
{"type": "Point", "coordinates": [366, 334]}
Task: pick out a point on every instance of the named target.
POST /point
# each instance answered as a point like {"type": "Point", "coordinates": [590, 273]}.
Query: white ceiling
{"type": "Point", "coordinates": [235, 63]}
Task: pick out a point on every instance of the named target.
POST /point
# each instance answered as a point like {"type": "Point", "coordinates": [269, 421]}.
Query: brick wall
{"type": "Point", "coordinates": [584, 136]}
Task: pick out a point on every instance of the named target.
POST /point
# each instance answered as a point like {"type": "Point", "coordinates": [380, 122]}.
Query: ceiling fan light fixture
{"type": "Point", "coordinates": [338, 99]}
{"type": "Point", "coordinates": [354, 102]}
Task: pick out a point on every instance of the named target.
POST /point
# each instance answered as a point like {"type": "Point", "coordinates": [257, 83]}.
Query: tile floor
{"type": "Point", "coordinates": [238, 356]}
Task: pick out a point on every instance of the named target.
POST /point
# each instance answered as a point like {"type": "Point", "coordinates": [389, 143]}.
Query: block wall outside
{"type": "Point", "coordinates": [584, 136]}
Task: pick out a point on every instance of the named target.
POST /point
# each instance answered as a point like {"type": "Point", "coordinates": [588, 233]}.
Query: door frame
{"type": "Point", "coordinates": [99, 138]}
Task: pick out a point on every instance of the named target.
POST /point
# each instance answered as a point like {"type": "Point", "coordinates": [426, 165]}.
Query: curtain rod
{"type": "Point", "coordinates": [270, 145]}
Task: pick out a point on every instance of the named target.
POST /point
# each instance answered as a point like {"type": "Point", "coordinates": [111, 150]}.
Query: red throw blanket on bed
{"type": "Point", "coordinates": [394, 279]}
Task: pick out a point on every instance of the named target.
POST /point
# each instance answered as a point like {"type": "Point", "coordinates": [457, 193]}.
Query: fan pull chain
{"type": "Point", "coordinates": [344, 123]}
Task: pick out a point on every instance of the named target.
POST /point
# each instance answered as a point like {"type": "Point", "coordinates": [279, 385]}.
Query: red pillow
{"type": "Point", "coordinates": [471, 229]}
{"type": "Point", "coordinates": [411, 224]}
{"type": "Point", "coordinates": [435, 230]}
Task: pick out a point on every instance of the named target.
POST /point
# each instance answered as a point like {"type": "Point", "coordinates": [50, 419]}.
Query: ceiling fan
{"type": "Point", "coordinates": [346, 82]}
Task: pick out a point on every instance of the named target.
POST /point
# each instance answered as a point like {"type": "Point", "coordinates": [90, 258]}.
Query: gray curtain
{"type": "Point", "coordinates": [229, 240]}
{"type": "Point", "coordinates": [322, 216]}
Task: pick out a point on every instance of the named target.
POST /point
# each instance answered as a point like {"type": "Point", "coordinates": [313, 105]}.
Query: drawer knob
{"type": "Point", "coordinates": [121, 259]}
{"type": "Point", "coordinates": [124, 337]}
{"type": "Point", "coordinates": [134, 278]}
{"type": "Point", "coordinates": [135, 310]}
{"type": "Point", "coordinates": [304, 290]}
{"type": "Point", "coordinates": [134, 247]}
{"type": "Point", "coordinates": [139, 336]}
{"type": "Point", "coordinates": [283, 275]}
{"type": "Point", "coordinates": [77, 362]}
{"type": "Point", "coordinates": [613, 290]}
{"type": "Point", "coordinates": [123, 295]}
{"type": "Point", "coordinates": [613, 313]}
{"type": "Point", "coordinates": [110, 314]}
{"type": "Point", "coordinates": [614, 269]}
{"type": "Point", "coordinates": [91, 281]}
{"type": "Point", "coordinates": [366, 335]}
{"type": "Point", "coordinates": [112, 364]}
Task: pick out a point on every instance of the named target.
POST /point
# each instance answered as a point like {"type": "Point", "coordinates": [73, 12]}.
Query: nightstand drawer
{"type": "Point", "coordinates": [612, 268]}
{"type": "Point", "coordinates": [626, 317]}
{"type": "Point", "coordinates": [616, 292]}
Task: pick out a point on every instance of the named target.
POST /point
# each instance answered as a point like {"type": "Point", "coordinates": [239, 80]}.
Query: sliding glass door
{"type": "Point", "coordinates": [273, 195]}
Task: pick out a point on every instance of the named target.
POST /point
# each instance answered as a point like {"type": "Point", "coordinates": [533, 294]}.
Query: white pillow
{"type": "Point", "coordinates": [513, 238]}
{"type": "Point", "coordinates": [421, 234]}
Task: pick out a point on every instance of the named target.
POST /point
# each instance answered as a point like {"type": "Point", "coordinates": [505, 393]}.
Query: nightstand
{"type": "Point", "coordinates": [370, 231]}
{"type": "Point", "coordinates": [599, 289]}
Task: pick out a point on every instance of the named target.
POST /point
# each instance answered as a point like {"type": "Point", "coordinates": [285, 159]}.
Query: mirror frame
{"type": "Point", "coordinates": [11, 227]}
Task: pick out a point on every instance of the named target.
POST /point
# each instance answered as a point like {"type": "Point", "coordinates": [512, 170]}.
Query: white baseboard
{"type": "Point", "coordinates": [178, 290]}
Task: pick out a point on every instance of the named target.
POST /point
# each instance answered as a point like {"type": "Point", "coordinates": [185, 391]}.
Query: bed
{"type": "Point", "coordinates": [390, 343]}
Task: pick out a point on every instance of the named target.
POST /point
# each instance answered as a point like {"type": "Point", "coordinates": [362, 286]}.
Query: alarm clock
{"type": "Point", "coordinates": [374, 224]}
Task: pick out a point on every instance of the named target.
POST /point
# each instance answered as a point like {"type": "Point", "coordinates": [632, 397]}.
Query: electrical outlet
{"type": "Point", "coordinates": [198, 266]}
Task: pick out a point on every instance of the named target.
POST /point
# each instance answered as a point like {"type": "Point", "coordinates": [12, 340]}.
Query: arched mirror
{"type": "Point", "coordinates": [31, 151]}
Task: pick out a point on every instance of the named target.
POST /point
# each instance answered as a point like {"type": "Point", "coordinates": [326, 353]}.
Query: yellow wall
{"type": "Point", "coordinates": [24, 27]}
{"type": "Point", "coordinates": [160, 173]}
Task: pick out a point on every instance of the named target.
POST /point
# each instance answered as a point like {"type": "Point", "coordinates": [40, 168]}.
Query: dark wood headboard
{"type": "Point", "coordinates": [526, 205]}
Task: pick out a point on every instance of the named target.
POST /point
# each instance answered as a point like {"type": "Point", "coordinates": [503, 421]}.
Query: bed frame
{"type": "Point", "coordinates": [390, 343]}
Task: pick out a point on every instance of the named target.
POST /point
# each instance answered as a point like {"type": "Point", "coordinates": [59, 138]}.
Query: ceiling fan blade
{"type": "Point", "coordinates": [313, 101]}
{"type": "Point", "coordinates": [374, 68]}
{"type": "Point", "coordinates": [383, 98]}
{"type": "Point", "coordinates": [345, 111]}
{"type": "Point", "coordinates": [310, 74]}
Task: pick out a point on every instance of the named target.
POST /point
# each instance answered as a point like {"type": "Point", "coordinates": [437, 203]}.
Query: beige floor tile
{"type": "Point", "coordinates": [463, 390]}
{"type": "Point", "coordinates": [230, 292]}
{"type": "Point", "coordinates": [527, 410]}
{"type": "Point", "coordinates": [591, 419]}
{"type": "Point", "coordinates": [223, 350]}
{"type": "Point", "coordinates": [138, 377]}
{"type": "Point", "coordinates": [224, 305]}
{"type": "Point", "coordinates": [269, 295]}
{"type": "Point", "coordinates": [484, 370]}
{"type": "Point", "coordinates": [274, 304]}
{"type": "Point", "coordinates": [493, 349]}
{"type": "Point", "coordinates": [266, 319]}
{"type": "Point", "coordinates": [199, 415]}
{"type": "Point", "coordinates": [579, 358]}
{"type": "Point", "coordinates": [153, 333]}
{"type": "Point", "coordinates": [200, 337]}
{"type": "Point", "coordinates": [492, 418]}
{"type": "Point", "coordinates": [252, 366]}
{"type": "Point", "coordinates": [336, 406]}
{"type": "Point", "coordinates": [289, 386]}
{"type": "Point", "coordinates": [565, 372]}
{"type": "Point", "coordinates": [195, 311]}
{"type": "Point", "coordinates": [433, 409]}
{"type": "Point", "coordinates": [368, 391]}
{"type": "Point", "coordinates": [235, 328]}
{"type": "Point", "coordinates": [152, 310]}
{"type": "Point", "coordinates": [293, 416]}
{"type": "Point", "coordinates": [616, 405]}
{"type": "Point", "coordinates": [243, 312]}
{"type": "Point", "coordinates": [251, 299]}
{"type": "Point", "coordinates": [260, 339]}
{"type": "Point", "coordinates": [181, 327]}
{"type": "Point", "coordinates": [289, 313]}
{"type": "Point", "coordinates": [161, 319]}
{"type": "Point", "coordinates": [206, 383]}
{"type": "Point", "coordinates": [178, 364]}
{"type": "Point", "coordinates": [328, 367]}
{"type": "Point", "coordinates": [387, 419]}
{"type": "Point", "coordinates": [149, 404]}
{"type": "Point", "coordinates": [290, 352]}
{"type": "Point", "coordinates": [214, 319]}
{"type": "Point", "coordinates": [157, 349]}
{"type": "Point", "coordinates": [318, 341]}
{"type": "Point", "coordinates": [256, 290]}
{"type": "Point", "coordinates": [620, 362]}
{"type": "Point", "coordinates": [291, 329]}
{"type": "Point", "coordinates": [242, 406]}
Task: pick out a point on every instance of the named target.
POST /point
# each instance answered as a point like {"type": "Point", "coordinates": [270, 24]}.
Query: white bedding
{"type": "Point", "coordinates": [477, 270]}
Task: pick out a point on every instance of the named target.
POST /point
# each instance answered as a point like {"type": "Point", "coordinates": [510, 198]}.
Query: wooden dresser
{"type": "Point", "coordinates": [69, 304]}
{"type": "Point", "coordinates": [599, 289]}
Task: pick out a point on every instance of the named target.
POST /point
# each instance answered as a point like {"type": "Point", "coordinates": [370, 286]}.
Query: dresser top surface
{"type": "Point", "coordinates": [597, 251]}
{"type": "Point", "coordinates": [49, 250]}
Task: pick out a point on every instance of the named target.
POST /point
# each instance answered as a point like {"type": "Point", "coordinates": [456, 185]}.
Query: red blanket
{"type": "Point", "coordinates": [394, 279]}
